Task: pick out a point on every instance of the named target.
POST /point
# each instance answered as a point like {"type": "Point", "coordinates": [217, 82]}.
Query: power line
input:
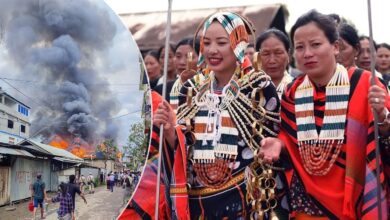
{"type": "Point", "coordinates": [39, 104]}
{"type": "Point", "coordinates": [119, 116]}
{"type": "Point", "coordinates": [53, 82]}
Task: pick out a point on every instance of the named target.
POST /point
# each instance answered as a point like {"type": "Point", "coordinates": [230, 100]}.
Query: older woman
{"type": "Point", "coordinates": [274, 48]}
{"type": "Point", "coordinates": [364, 59]}
{"type": "Point", "coordinates": [349, 45]}
{"type": "Point", "coordinates": [222, 120]}
{"type": "Point", "coordinates": [327, 129]}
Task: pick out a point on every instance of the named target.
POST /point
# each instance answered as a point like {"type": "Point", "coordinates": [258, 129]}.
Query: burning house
{"type": "Point", "coordinates": [66, 46]}
{"type": "Point", "coordinates": [21, 158]}
{"type": "Point", "coordinates": [66, 58]}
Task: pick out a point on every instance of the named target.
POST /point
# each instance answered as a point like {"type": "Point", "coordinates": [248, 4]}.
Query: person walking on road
{"type": "Point", "coordinates": [108, 181]}
{"type": "Point", "coordinates": [90, 183]}
{"type": "Point", "coordinates": [112, 182]}
{"type": "Point", "coordinates": [38, 195]}
{"type": "Point", "coordinates": [72, 190]}
{"type": "Point", "coordinates": [65, 211]}
{"type": "Point", "coordinates": [127, 185]}
{"type": "Point", "coordinates": [83, 183]}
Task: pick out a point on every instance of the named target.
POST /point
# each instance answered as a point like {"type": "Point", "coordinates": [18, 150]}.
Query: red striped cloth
{"type": "Point", "coordinates": [348, 190]}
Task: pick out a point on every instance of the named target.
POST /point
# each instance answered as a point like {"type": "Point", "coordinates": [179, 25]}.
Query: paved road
{"type": "Point", "coordinates": [102, 205]}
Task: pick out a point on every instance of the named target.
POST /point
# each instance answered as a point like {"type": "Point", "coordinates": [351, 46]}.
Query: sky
{"type": "Point", "coordinates": [353, 10]}
{"type": "Point", "coordinates": [71, 56]}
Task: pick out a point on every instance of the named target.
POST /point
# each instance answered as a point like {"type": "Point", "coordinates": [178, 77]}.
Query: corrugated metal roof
{"type": "Point", "coordinates": [18, 152]}
{"type": "Point", "coordinates": [62, 159]}
{"type": "Point", "coordinates": [44, 148]}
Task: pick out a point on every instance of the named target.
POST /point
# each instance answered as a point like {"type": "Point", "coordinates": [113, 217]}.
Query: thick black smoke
{"type": "Point", "coordinates": [61, 44]}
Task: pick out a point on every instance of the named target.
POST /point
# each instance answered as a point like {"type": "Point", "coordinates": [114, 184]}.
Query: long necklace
{"type": "Point", "coordinates": [287, 78]}
{"type": "Point", "coordinates": [242, 114]}
{"type": "Point", "coordinates": [319, 151]}
{"type": "Point", "coordinates": [216, 104]}
{"type": "Point", "coordinates": [217, 135]}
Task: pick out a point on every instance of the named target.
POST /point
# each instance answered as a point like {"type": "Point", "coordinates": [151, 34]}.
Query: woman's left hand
{"type": "Point", "coordinates": [377, 98]}
{"type": "Point", "coordinates": [270, 150]}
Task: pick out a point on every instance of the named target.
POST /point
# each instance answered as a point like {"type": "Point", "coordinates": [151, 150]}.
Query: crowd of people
{"type": "Point", "coordinates": [354, 50]}
{"type": "Point", "coordinates": [285, 132]}
{"type": "Point", "coordinates": [126, 180]}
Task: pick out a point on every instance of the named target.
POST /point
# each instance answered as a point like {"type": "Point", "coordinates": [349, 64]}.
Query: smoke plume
{"type": "Point", "coordinates": [60, 44]}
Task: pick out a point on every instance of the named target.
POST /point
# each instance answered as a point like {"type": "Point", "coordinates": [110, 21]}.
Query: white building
{"type": "Point", "coordinates": [14, 119]}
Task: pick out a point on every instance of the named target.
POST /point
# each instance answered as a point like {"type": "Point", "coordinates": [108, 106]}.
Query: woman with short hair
{"type": "Point", "coordinates": [328, 129]}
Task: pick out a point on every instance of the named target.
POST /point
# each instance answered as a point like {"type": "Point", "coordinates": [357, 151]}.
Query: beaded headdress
{"type": "Point", "coordinates": [235, 27]}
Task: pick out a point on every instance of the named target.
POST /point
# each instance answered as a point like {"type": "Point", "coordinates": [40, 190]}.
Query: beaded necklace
{"type": "Point", "coordinates": [215, 104]}
{"type": "Point", "coordinates": [242, 114]}
{"type": "Point", "coordinates": [173, 96]}
{"type": "Point", "coordinates": [215, 133]}
{"type": "Point", "coordinates": [175, 91]}
{"type": "Point", "coordinates": [287, 78]}
{"type": "Point", "coordinates": [320, 151]}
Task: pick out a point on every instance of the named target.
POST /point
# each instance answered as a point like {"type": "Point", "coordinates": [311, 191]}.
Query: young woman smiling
{"type": "Point", "coordinates": [221, 121]}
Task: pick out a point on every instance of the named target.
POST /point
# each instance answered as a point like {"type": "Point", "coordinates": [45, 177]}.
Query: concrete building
{"type": "Point", "coordinates": [14, 119]}
{"type": "Point", "coordinates": [106, 165]}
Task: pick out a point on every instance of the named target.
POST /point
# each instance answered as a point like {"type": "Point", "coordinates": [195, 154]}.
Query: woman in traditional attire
{"type": "Point", "coordinates": [349, 45]}
{"type": "Point", "coordinates": [209, 163]}
{"type": "Point", "coordinates": [328, 130]}
{"type": "Point", "coordinates": [274, 48]}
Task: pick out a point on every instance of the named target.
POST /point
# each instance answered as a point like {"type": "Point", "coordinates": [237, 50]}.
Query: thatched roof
{"type": "Point", "coordinates": [148, 29]}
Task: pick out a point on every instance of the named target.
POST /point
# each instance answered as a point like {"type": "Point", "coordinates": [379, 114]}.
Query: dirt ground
{"type": "Point", "coordinates": [102, 205]}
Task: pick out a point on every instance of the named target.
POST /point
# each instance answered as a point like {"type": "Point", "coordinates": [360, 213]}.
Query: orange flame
{"type": "Point", "coordinates": [77, 147]}
{"type": "Point", "coordinates": [80, 152]}
{"type": "Point", "coordinates": [58, 142]}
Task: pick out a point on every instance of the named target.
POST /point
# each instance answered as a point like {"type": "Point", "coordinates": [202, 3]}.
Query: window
{"type": "Point", "coordinates": [23, 128]}
{"type": "Point", "coordinates": [23, 110]}
{"type": "Point", "coordinates": [10, 124]}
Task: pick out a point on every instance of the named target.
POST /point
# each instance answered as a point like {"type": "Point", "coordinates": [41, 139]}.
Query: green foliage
{"type": "Point", "coordinates": [96, 181]}
{"type": "Point", "coordinates": [109, 150]}
{"type": "Point", "coordinates": [136, 146]}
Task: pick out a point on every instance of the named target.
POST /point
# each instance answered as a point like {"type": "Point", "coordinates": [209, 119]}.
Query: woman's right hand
{"type": "Point", "coordinates": [270, 149]}
{"type": "Point", "coordinates": [165, 116]}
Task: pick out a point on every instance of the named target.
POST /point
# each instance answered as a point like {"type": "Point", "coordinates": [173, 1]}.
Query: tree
{"type": "Point", "coordinates": [136, 145]}
{"type": "Point", "coordinates": [108, 149]}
